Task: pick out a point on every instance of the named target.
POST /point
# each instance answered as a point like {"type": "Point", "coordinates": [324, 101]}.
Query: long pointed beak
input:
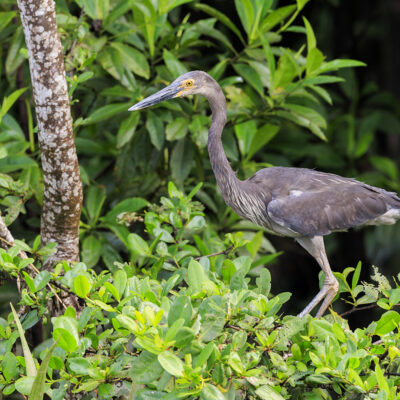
{"type": "Point", "coordinates": [167, 93]}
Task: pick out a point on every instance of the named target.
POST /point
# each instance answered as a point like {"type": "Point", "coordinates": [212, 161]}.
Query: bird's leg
{"type": "Point", "coordinates": [315, 246]}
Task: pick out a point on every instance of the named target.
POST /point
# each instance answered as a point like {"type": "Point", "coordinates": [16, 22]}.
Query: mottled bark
{"type": "Point", "coordinates": [6, 239]}
{"type": "Point", "coordinates": [62, 184]}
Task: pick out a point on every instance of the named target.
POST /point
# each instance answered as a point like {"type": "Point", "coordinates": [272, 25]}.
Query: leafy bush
{"type": "Point", "coordinates": [208, 329]}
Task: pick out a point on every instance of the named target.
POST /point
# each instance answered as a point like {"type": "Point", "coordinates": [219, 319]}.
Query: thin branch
{"type": "Point", "coordinates": [354, 309]}
{"type": "Point", "coordinates": [226, 251]}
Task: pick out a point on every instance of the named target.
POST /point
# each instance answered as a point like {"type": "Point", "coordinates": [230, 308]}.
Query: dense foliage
{"type": "Point", "coordinates": [192, 315]}
{"type": "Point", "coordinates": [172, 306]}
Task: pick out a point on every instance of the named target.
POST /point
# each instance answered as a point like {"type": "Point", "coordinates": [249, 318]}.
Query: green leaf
{"type": "Point", "coordinates": [235, 362]}
{"type": "Point", "coordinates": [79, 365]}
{"type": "Point", "coordinates": [30, 282]}
{"type": "Point", "coordinates": [29, 361]}
{"type": "Point", "coordinates": [82, 286]}
{"type": "Point", "coordinates": [250, 75]}
{"type": "Point", "coordinates": [66, 331]}
{"type": "Point", "coordinates": [266, 392]}
{"type": "Point", "coordinates": [394, 297]}
{"type": "Point", "coordinates": [321, 328]}
{"type": "Point", "coordinates": [245, 11]}
{"type": "Point", "coordinates": [127, 129]}
{"type": "Point", "coordinates": [177, 129]}
{"type": "Point", "coordinates": [130, 205]}
{"type": "Point", "coordinates": [9, 101]}
{"type": "Point", "coordinates": [9, 365]}
{"type": "Point", "coordinates": [173, 64]}
{"type": "Point", "coordinates": [311, 41]}
{"type": "Point", "coordinates": [211, 392]}
{"type": "Point", "coordinates": [305, 116]}
{"type": "Point", "coordinates": [134, 60]}
{"type": "Point", "coordinates": [387, 323]}
{"type": "Point", "coordinates": [204, 355]}
{"type": "Point", "coordinates": [39, 384]}
{"type": "Point", "coordinates": [145, 368]}
{"type": "Point", "coordinates": [15, 163]}
{"type": "Point", "coordinates": [94, 202]}
{"type": "Point", "coordinates": [91, 250]}
{"type": "Point", "coordinates": [168, 5]}
{"type": "Point", "coordinates": [275, 17]}
{"type": "Point", "coordinates": [137, 245]}
{"type": "Point", "coordinates": [334, 65]}
{"type": "Point", "coordinates": [24, 385]}
{"type": "Point", "coordinates": [356, 276]}
{"type": "Point", "coordinates": [220, 17]}
{"type": "Point", "coordinates": [14, 57]}
{"type": "Point", "coordinates": [156, 130]}
{"type": "Point", "coordinates": [171, 363]}
{"type": "Point", "coordinates": [270, 61]}
{"type": "Point", "coordinates": [301, 4]}
{"type": "Point", "coordinates": [385, 165]}
{"type": "Point", "coordinates": [213, 316]}
{"type": "Point", "coordinates": [120, 281]}
{"type": "Point", "coordinates": [196, 276]}
{"type": "Point", "coordinates": [245, 133]}
{"type": "Point", "coordinates": [286, 71]}
{"type": "Point", "coordinates": [6, 18]}
{"type": "Point", "coordinates": [42, 279]}
{"type": "Point", "coordinates": [173, 330]}
{"type": "Point", "coordinates": [96, 9]}
{"type": "Point", "coordinates": [181, 160]}
{"type": "Point", "coordinates": [263, 135]}
{"type": "Point", "coordinates": [314, 60]}
{"type": "Point", "coordinates": [380, 377]}
{"type": "Point", "coordinates": [181, 307]}
{"type": "Point", "coordinates": [111, 288]}
{"type": "Point", "coordinates": [128, 323]}
{"type": "Point", "coordinates": [106, 112]}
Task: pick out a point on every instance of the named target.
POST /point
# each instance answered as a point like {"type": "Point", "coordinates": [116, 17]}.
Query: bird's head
{"type": "Point", "coordinates": [194, 82]}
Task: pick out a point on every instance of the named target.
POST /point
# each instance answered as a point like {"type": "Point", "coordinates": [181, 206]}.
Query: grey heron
{"type": "Point", "coordinates": [300, 203]}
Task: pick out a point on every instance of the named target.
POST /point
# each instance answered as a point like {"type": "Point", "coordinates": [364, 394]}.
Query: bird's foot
{"type": "Point", "coordinates": [327, 293]}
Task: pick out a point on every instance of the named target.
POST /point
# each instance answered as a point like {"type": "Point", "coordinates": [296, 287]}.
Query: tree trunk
{"type": "Point", "coordinates": [62, 184]}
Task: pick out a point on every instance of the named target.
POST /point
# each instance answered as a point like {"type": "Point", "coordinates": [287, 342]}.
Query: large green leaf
{"type": "Point", "coordinates": [145, 368]}
{"type": "Point", "coordinates": [246, 13]}
{"type": "Point", "coordinates": [125, 206]}
{"type": "Point", "coordinates": [173, 64]}
{"type": "Point", "coordinates": [181, 160]}
{"type": "Point", "coordinates": [5, 18]}
{"type": "Point", "coordinates": [156, 130]}
{"type": "Point", "coordinates": [39, 384]}
{"type": "Point", "coordinates": [105, 112]}
{"type": "Point", "coordinates": [137, 245]}
{"type": "Point", "coordinates": [387, 323]}
{"type": "Point", "coordinates": [134, 60]}
{"type": "Point", "coordinates": [171, 363]}
{"type": "Point", "coordinates": [221, 17]}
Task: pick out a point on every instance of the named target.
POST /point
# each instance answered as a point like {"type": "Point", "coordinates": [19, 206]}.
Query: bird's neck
{"type": "Point", "coordinates": [225, 176]}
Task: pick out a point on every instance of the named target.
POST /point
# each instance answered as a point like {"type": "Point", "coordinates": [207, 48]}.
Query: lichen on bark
{"type": "Point", "coordinates": [62, 200]}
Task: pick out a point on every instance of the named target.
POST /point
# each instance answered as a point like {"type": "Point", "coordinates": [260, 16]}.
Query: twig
{"type": "Point", "coordinates": [226, 251]}
{"type": "Point", "coordinates": [354, 309]}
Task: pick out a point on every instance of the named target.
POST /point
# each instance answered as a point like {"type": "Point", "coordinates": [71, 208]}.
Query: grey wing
{"type": "Point", "coordinates": [319, 212]}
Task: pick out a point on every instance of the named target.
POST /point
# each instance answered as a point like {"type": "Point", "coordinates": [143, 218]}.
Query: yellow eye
{"type": "Point", "coordinates": [188, 83]}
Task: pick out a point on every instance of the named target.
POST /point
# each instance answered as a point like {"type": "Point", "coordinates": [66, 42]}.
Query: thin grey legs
{"type": "Point", "coordinates": [315, 246]}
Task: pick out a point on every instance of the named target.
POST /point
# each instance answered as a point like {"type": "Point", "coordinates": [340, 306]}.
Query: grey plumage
{"type": "Point", "coordinates": [296, 202]}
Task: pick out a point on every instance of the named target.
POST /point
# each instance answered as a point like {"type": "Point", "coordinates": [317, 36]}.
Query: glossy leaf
{"type": "Point", "coordinates": [134, 60]}
{"type": "Point", "coordinates": [171, 363]}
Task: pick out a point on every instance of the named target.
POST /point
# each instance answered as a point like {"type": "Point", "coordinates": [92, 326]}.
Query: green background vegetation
{"type": "Point", "coordinates": [163, 318]}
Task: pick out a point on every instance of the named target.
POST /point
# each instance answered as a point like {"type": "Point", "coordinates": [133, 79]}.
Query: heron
{"type": "Point", "coordinates": [299, 203]}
